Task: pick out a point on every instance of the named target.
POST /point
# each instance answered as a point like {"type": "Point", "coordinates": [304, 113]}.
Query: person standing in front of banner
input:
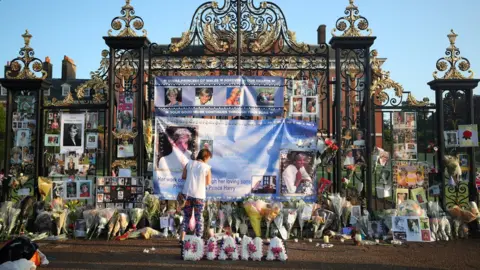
{"type": "Point", "coordinates": [198, 176]}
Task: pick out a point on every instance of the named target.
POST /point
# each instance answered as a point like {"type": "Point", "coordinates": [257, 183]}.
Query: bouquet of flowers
{"type": "Point", "coordinates": [338, 202]}
{"type": "Point", "coordinates": [152, 207]}
{"type": "Point", "coordinates": [290, 215]}
{"type": "Point", "coordinates": [221, 220]}
{"type": "Point", "coordinates": [279, 228]}
{"type": "Point", "coordinates": [135, 215]}
{"type": "Point", "coordinates": [329, 152]}
{"type": "Point", "coordinates": [228, 211]}
{"type": "Point", "coordinates": [104, 216]}
{"type": "Point", "coordinates": [276, 250]}
{"type": "Point", "coordinates": [301, 222]}
{"type": "Point", "coordinates": [254, 208]}
{"type": "Point", "coordinates": [59, 214]}
{"type": "Point", "coordinates": [123, 220]}
{"type": "Point", "coordinates": [270, 213]}
{"type": "Point", "coordinates": [322, 220]}
{"type": "Point", "coordinates": [228, 249]}
{"type": "Point", "coordinates": [90, 216]}
{"type": "Point", "coordinates": [212, 212]}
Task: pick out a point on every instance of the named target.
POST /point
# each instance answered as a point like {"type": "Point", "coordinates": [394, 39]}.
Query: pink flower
{"type": "Point", "coordinates": [276, 250]}
{"type": "Point", "coordinates": [229, 250]}
{"type": "Point", "coordinates": [211, 246]}
{"type": "Point", "coordinates": [252, 248]}
{"type": "Point", "coordinates": [188, 245]}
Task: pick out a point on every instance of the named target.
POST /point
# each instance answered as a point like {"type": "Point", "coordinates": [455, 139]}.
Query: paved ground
{"type": "Point", "coordinates": [80, 254]}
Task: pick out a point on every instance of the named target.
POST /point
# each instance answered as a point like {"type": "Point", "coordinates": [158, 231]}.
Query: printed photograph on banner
{"type": "Point", "coordinates": [16, 155]}
{"type": "Point", "coordinates": [264, 184]}
{"type": "Point", "coordinates": [401, 195]}
{"type": "Point", "coordinates": [297, 174]}
{"type": "Point", "coordinates": [72, 131]}
{"type": "Point", "coordinates": [410, 120]}
{"type": "Point", "coordinates": [23, 137]}
{"type": "Point", "coordinates": [206, 144]}
{"type": "Point", "coordinates": [125, 117]}
{"type": "Point", "coordinates": [173, 96]}
{"type": "Point", "coordinates": [125, 150]}
{"type": "Point", "coordinates": [413, 232]}
{"type": "Point", "coordinates": [234, 96]}
{"type": "Point", "coordinates": [25, 104]}
{"type": "Point", "coordinates": [311, 105]}
{"type": "Point", "coordinates": [451, 138]}
{"type": "Point", "coordinates": [266, 96]}
{"type": "Point", "coordinates": [175, 147]}
{"type": "Point", "coordinates": [398, 120]}
{"type": "Point", "coordinates": [52, 140]}
{"type": "Point", "coordinates": [296, 105]}
{"type": "Point", "coordinates": [359, 140]}
{"type": "Point", "coordinates": [58, 189]}
{"type": "Point", "coordinates": [204, 96]}
{"type": "Point", "coordinates": [92, 120]}
{"type": "Point", "coordinates": [92, 141]}
{"type": "Point", "coordinates": [468, 135]}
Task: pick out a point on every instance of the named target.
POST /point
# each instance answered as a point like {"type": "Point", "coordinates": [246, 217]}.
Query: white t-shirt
{"type": "Point", "coordinates": [175, 161]}
{"type": "Point", "coordinates": [195, 184]}
{"type": "Point", "coordinates": [290, 175]}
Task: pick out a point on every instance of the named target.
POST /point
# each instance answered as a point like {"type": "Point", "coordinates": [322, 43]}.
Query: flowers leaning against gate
{"type": "Point", "coordinates": [329, 152]}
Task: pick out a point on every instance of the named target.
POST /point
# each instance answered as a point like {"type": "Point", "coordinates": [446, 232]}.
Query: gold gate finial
{"type": "Point", "coordinates": [127, 20]}
{"type": "Point", "coordinates": [453, 63]}
{"type": "Point", "coordinates": [352, 24]}
{"type": "Point", "coordinates": [20, 66]}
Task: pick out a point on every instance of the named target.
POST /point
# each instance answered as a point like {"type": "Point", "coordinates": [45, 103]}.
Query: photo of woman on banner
{"type": "Point", "coordinates": [203, 96]}
{"type": "Point", "coordinates": [173, 96]}
{"type": "Point", "coordinates": [296, 178]}
{"type": "Point", "coordinates": [234, 95]}
{"type": "Point", "coordinates": [181, 140]}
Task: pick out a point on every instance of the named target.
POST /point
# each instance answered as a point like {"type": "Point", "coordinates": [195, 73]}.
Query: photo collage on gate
{"type": "Point", "coordinates": [72, 142]}
{"type": "Point", "coordinates": [23, 150]}
{"type": "Point", "coordinates": [353, 151]}
{"type": "Point", "coordinates": [303, 99]}
{"type": "Point", "coordinates": [125, 122]}
{"type": "Point", "coordinates": [119, 192]}
{"type": "Point", "coordinates": [409, 175]}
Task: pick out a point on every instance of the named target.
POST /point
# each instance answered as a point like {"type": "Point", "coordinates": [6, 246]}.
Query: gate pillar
{"type": "Point", "coordinates": [25, 79]}
{"type": "Point", "coordinates": [353, 79]}
{"type": "Point", "coordinates": [452, 83]}
{"type": "Point", "coordinates": [126, 80]}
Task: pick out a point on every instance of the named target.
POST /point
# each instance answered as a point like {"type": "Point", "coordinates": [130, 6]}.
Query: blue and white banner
{"type": "Point", "coordinates": [272, 158]}
{"type": "Point", "coordinates": [219, 96]}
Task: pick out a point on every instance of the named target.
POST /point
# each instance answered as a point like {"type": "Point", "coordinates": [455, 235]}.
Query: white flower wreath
{"type": "Point", "coordinates": [193, 248]}
{"type": "Point", "coordinates": [211, 249]}
{"type": "Point", "coordinates": [252, 248]}
{"type": "Point", "coordinates": [229, 249]}
{"type": "Point", "coordinates": [276, 250]}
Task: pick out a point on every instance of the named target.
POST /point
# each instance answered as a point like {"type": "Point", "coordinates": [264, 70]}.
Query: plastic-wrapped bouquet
{"type": "Point", "coordinates": [338, 202]}
{"type": "Point", "coordinates": [212, 212]}
{"type": "Point", "coordinates": [290, 215]}
{"type": "Point", "coordinates": [90, 216]}
{"type": "Point", "coordinates": [301, 221]}
{"type": "Point", "coordinates": [254, 208]}
{"type": "Point", "coordinates": [123, 220]}
{"type": "Point", "coordinates": [228, 211]}
{"type": "Point", "coordinates": [59, 214]}
{"type": "Point", "coordinates": [135, 215]}
{"type": "Point", "coordinates": [270, 213]}
{"type": "Point", "coordinates": [104, 216]}
{"type": "Point", "coordinates": [322, 220]}
{"type": "Point", "coordinates": [152, 207]}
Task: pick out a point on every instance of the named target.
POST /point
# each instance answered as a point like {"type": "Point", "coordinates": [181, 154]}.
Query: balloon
{"type": "Point", "coordinates": [191, 223]}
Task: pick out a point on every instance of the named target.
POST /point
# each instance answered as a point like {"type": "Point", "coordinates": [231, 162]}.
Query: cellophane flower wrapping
{"type": "Point", "coordinates": [123, 221]}
{"type": "Point", "coordinates": [105, 215]}
{"type": "Point", "coordinates": [322, 220]}
{"type": "Point", "coordinates": [301, 222]}
{"type": "Point", "coordinates": [347, 210]}
{"type": "Point", "coordinates": [212, 213]}
{"type": "Point", "coordinates": [221, 220]}
{"type": "Point", "coordinates": [253, 208]}
{"type": "Point", "coordinates": [276, 250]}
{"type": "Point", "coordinates": [289, 216]}
{"type": "Point", "coordinates": [43, 222]}
{"type": "Point", "coordinates": [337, 203]}
{"type": "Point", "coordinates": [193, 248]}
{"type": "Point", "coordinates": [362, 224]}
{"type": "Point", "coordinates": [279, 228]}
{"type": "Point", "coordinates": [135, 215]}
{"type": "Point", "coordinates": [386, 217]}
{"type": "Point", "coordinates": [112, 225]}
{"type": "Point", "coordinates": [270, 213]}
{"type": "Point", "coordinates": [152, 208]}
{"type": "Point", "coordinates": [59, 214]}
{"type": "Point", "coordinates": [228, 211]}
{"type": "Point", "coordinates": [90, 216]}
{"type": "Point", "coordinates": [178, 219]}
{"type": "Point", "coordinates": [211, 249]}
{"type": "Point", "coordinates": [229, 249]}
{"type": "Point", "coordinates": [12, 217]}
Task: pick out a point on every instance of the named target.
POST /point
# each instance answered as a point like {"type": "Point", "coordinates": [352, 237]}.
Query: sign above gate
{"type": "Point", "coordinates": [219, 96]}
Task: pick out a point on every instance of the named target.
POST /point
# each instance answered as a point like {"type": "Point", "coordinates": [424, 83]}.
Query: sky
{"type": "Point", "coordinates": [411, 34]}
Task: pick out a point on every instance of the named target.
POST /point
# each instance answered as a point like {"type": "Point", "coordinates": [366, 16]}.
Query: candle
{"type": "Point", "coordinates": [326, 239]}
{"type": "Point", "coordinates": [358, 237]}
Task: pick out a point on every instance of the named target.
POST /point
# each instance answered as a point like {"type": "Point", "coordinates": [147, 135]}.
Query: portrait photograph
{"type": "Point", "coordinates": [296, 105]}
{"type": "Point", "coordinates": [359, 139]}
{"type": "Point", "coordinates": [72, 132]}
{"type": "Point", "coordinates": [311, 105]}
{"type": "Point", "coordinates": [72, 164]}
{"type": "Point", "coordinates": [297, 174]}
{"type": "Point", "coordinates": [92, 141]}
{"type": "Point", "coordinates": [173, 96]}
{"type": "Point", "coordinates": [84, 188]}
{"type": "Point", "coordinates": [52, 140]}
{"type": "Point", "coordinates": [71, 190]}
{"type": "Point", "coordinates": [264, 184]}
{"type": "Point", "coordinates": [265, 96]}
{"type": "Point", "coordinates": [58, 190]}
{"type": "Point", "coordinates": [175, 147]}
{"type": "Point", "coordinates": [124, 118]}
{"type": "Point", "coordinates": [234, 96]}
{"type": "Point", "coordinates": [451, 138]}
{"type": "Point", "coordinates": [401, 195]}
{"type": "Point", "coordinates": [398, 120]}
{"type": "Point", "coordinates": [203, 96]}
{"type": "Point", "coordinates": [206, 144]}
{"type": "Point", "coordinates": [298, 88]}
{"type": "Point", "coordinates": [410, 120]}
{"type": "Point", "coordinates": [100, 198]}
{"type": "Point", "coordinates": [23, 137]}
{"type": "Point", "coordinates": [92, 120]}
